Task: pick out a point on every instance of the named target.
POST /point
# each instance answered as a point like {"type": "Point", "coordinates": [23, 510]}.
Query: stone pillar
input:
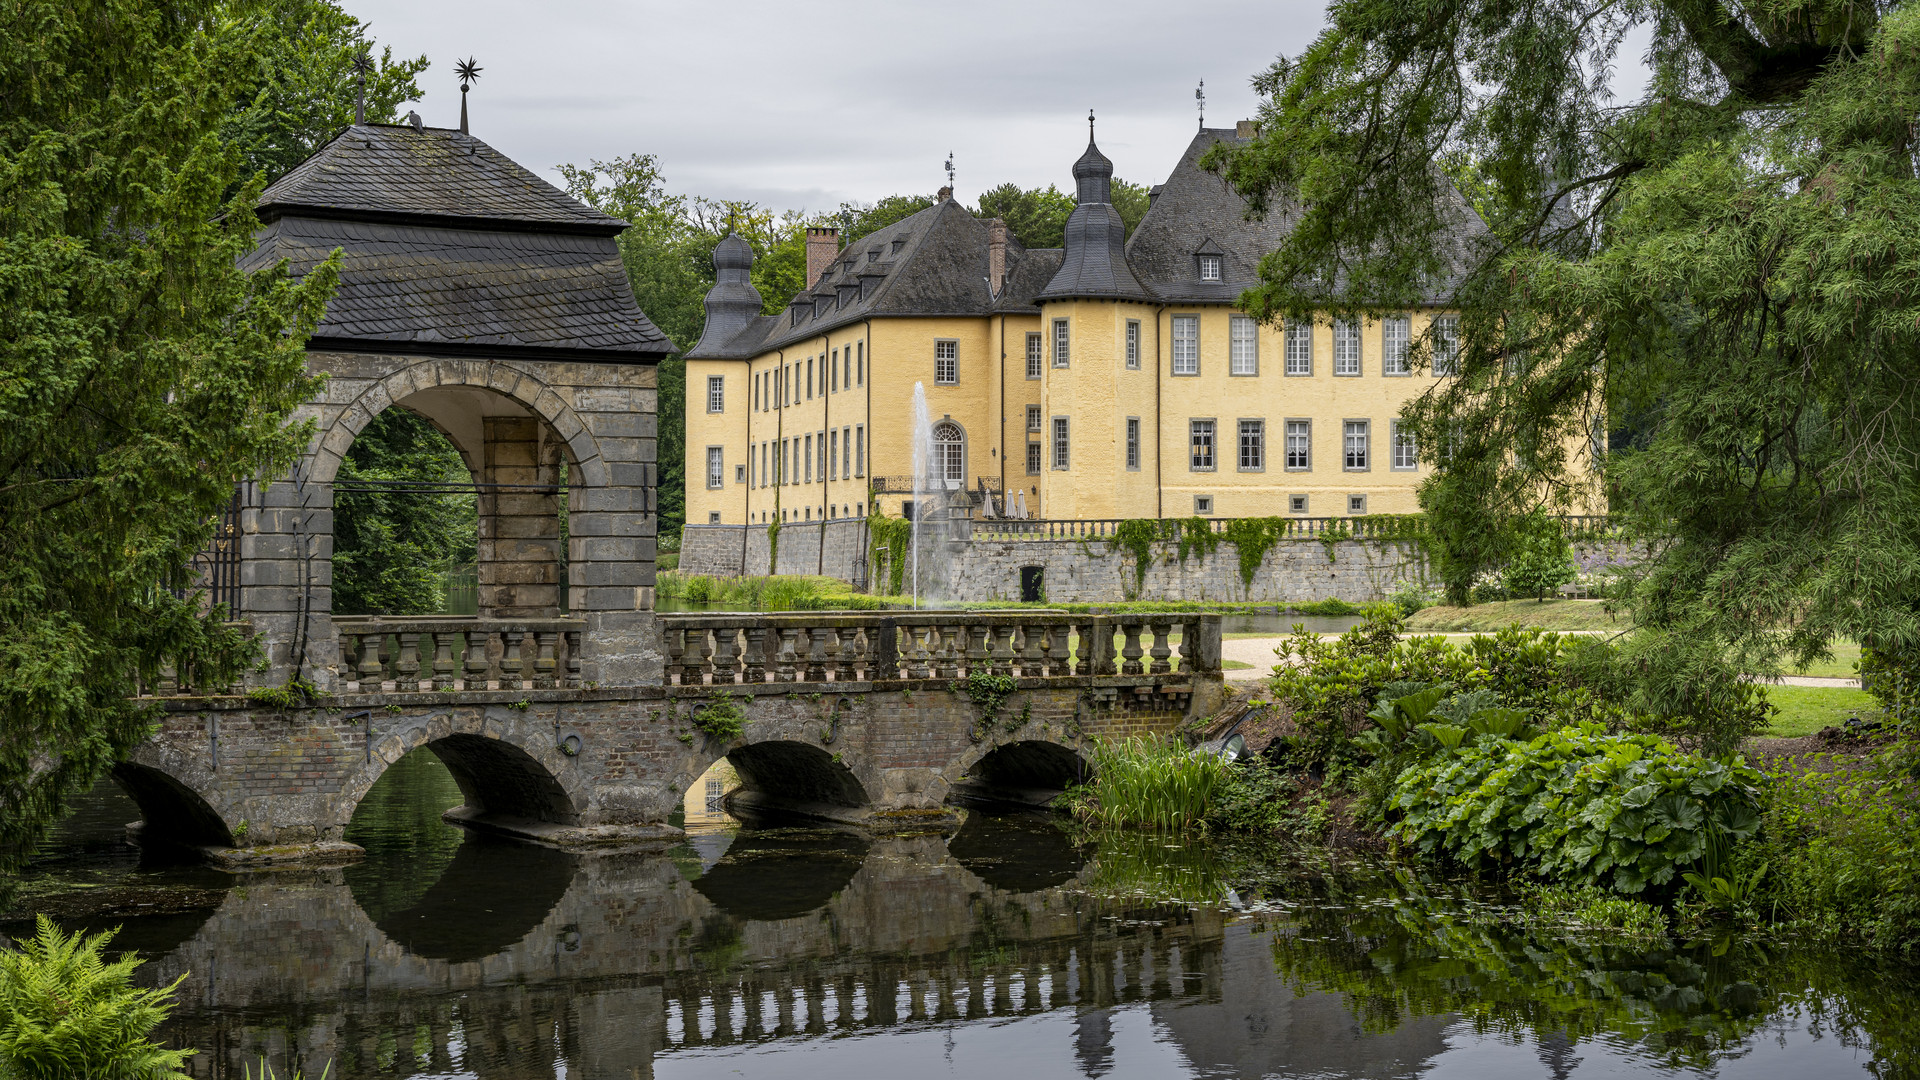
{"type": "Point", "coordinates": [612, 532]}
{"type": "Point", "coordinates": [286, 577]}
{"type": "Point", "coordinates": [519, 542]}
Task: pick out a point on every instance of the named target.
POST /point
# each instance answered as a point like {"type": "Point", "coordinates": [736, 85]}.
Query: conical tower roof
{"type": "Point", "coordinates": [1094, 265]}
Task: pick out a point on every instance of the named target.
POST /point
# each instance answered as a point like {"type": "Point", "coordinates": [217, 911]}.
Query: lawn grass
{"type": "Point", "coordinates": [1806, 709]}
{"type": "Point", "coordinates": [1845, 655]}
{"type": "Point", "coordinates": [1487, 618]}
{"type": "Point", "coordinates": [1235, 665]}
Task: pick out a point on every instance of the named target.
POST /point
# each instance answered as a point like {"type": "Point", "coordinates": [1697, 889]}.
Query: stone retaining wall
{"type": "Point", "coordinates": [835, 548]}
{"type": "Point", "coordinates": [1293, 571]}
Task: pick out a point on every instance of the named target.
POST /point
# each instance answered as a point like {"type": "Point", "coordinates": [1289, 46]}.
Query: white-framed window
{"type": "Point", "coordinates": [1299, 349]}
{"type": "Point", "coordinates": [1396, 333]}
{"type": "Point", "coordinates": [1186, 344]}
{"type": "Point", "coordinates": [807, 468]}
{"type": "Point", "coordinates": [1062, 343]}
{"type": "Point", "coordinates": [1296, 504]}
{"type": "Point", "coordinates": [1354, 446]}
{"type": "Point", "coordinates": [1253, 445]}
{"type": "Point", "coordinates": [1133, 344]}
{"type": "Point", "coordinates": [810, 377]}
{"type": "Point", "coordinates": [1405, 454]}
{"type": "Point", "coordinates": [1033, 419]}
{"type": "Point", "coordinates": [1346, 347]}
{"type": "Point", "coordinates": [1243, 346]}
{"type": "Point", "coordinates": [1062, 453]}
{"type": "Point", "coordinates": [846, 451]}
{"type": "Point", "coordinates": [833, 454]}
{"type": "Point", "coordinates": [860, 450]}
{"type": "Point", "coordinates": [1446, 345]}
{"type": "Point", "coordinates": [1299, 445]}
{"type": "Point", "coordinates": [949, 454]}
{"type": "Point", "coordinates": [946, 362]}
{"type": "Point", "coordinates": [822, 444]}
{"type": "Point", "coordinates": [1133, 443]}
{"type": "Point", "coordinates": [716, 467]}
{"type": "Point", "coordinates": [1209, 267]}
{"type": "Point", "coordinates": [716, 393]}
{"type": "Point", "coordinates": [1033, 459]}
{"type": "Point", "coordinates": [1203, 506]}
{"type": "Point", "coordinates": [753, 388]}
{"type": "Point", "coordinates": [713, 517]}
{"type": "Point", "coordinates": [761, 480]}
{"type": "Point", "coordinates": [1200, 442]}
{"type": "Point", "coordinates": [860, 363]}
{"type": "Point", "coordinates": [1036, 349]}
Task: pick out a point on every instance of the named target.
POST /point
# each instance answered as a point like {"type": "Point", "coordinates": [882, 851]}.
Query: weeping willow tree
{"type": "Point", "coordinates": [1721, 273]}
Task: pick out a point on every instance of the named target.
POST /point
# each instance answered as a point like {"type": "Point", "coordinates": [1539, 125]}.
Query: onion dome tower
{"type": "Point", "coordinates": [1094, 265]}
{"type": "Point", "coordinates": [733, 302]}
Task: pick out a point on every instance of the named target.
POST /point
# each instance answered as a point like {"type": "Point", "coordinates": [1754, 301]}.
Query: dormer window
{"type": "Point", "coordinates": [898, 244]}
{"type": "Point", "coordinates": [847, 266]}
{"type": "Point", "coordinates": [1209, 267]}
{"type": "Point", "coordinates": [874, 255]}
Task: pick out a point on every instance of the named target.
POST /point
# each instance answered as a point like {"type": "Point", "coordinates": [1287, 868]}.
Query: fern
{"type": "Point", "coordinates": [68, 1013]}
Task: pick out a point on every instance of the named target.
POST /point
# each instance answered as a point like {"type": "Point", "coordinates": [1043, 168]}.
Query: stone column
{"type": "Point", "coordinates": [613, 529]}
{"type": "Point", "coordinates": [286, 577]}
{"type": "Point", "coordinates": [519, 541]}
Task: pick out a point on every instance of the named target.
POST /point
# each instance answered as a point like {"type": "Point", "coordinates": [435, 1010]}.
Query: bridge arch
{"type": "Point", "coordinates": [173, 809]}
{"type": "Point", "coordinates": [509, 772]}
{"type": "Point", "coordinates": [1027, 771]}
{"type": "Point", "coordinates": [787, 774]}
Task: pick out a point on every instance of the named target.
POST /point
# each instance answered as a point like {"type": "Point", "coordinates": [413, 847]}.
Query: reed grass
{"type": "Point", "coordinates": [1149, 783]}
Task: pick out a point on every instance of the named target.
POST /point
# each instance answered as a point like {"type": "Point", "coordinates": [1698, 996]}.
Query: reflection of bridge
{"type": "Point", "coordinates": [496, 308]}
{"type": "Point", "coordinates": [633, 961]}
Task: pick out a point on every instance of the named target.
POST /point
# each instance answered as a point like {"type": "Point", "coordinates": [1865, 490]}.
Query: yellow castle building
{"type": "Point", "coordinates": [1110, 378]}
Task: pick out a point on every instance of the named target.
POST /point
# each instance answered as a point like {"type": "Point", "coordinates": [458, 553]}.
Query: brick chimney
{"type": "Point", "coordinates": [996, 254]}
{"type": "Point", "coordinates": [823, 246]}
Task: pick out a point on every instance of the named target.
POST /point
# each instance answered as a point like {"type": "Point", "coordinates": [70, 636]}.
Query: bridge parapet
{"type": "Point", "coordinates": [458, 653]}
{"type": "Point", "coordinates": [733, 649]}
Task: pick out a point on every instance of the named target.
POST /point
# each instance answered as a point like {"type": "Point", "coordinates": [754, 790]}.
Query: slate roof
{"type": "Point", "coordinates": [939, 269]}
{"type": "Point", "coordinates": [1094, 262]}
{"type": "Point", "coordinates": [449, 247]}
{"type": "Point", "coordinates": [392, 169]}
{"type": "Point", "coordinates": [1196, 209]}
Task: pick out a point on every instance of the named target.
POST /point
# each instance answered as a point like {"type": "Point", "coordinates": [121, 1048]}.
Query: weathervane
{"type": "Point", "coordinates": [949, 168]}
{"type": "Point", "coordinates": [1089, 127]}
{"type": "Point", "coordinates": [362, 63]}
{"type": "Point", "coordinates": [469, 73]}
{"type": "Point", "coordinates": [1200, 102]}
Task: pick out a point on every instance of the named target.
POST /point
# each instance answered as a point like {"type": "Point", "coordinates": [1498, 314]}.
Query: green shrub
{"type": "Point", "coordinates": [1539, 559]}
{"type": "Point", "coordinates": [1843, 847]}
{"type": "Point", "coordinates": [1893, 679]}
{"type": "Point", "coordinates": [1150, 783]}
{"type": "Point", "coordinates": [1256, 798]}
{"type": "Point", "coordinates": [1577, 805]}
{"type": "Point", "coordinates": [722, 719]}
{"type": "Point", "coordinates": [700, 589]}
{"type": "Point", "coordinates": [69, 1013]}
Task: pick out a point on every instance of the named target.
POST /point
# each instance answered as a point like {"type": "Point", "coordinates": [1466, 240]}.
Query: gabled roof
{"type": "Point", "coordinates": [1195, 208]}
{"type": "Point", "coordinates": [939, 268]}
{"type": "Point", "coordinates": [372, 170]}
{"type": "Point", "coordinates": [450, 247]}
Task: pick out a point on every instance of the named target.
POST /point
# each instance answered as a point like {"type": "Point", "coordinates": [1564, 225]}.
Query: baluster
{"type": "Point", "coordinates": [1161, 631]}
{"type": "Point", "coordinates": [674, 640]}
{"type": "Point", "coordinates": [372, 674]}
{"type": "Point", "coordinates": [725, 659]}
{"type": "Point", "coordinates": [976, 635]}
{"type": "Point", "coordinates": [922, 656]}
{"type": "Point", "coordinates": [784, 672]}
{"type": "Point", "coordinates": [756, 656]}
{"type": "Point", "coordinates": [1189, 644]}
{"type": "Point", "coordinates": [572, 639]}
{"type": "Point", "coordinates": [1048, 645]}
{"type": "Point", "coordinates": [476, 659]}
{"type": "Point", "coordinates": [1003, 658]}
{"type": "Point", "coordinates": [700, 656]}
{"type": "Point", "coordinates": [952, 651]}
{"type": "Point", "coordinates": [545, 661]}
{"type": "Point", "coordinates": [816, 639]}
{"type": "Point", "coordinates": [840, 652]}
{"type": "Point", "coordinates": [511, 664]}
{"type": "Point", "coordinates": [1103, 647]}
{"type": "Point", "coordinates": [407, 668]}
{"type": "Point", "coordinates": [1130, 649]}
{"type": "Point", "coordinates": [1033, 649]}
{"type": "Point", "coordinates": [443, 663]}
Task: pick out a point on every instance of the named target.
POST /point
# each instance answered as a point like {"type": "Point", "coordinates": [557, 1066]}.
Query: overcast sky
{"type": "Point", "coordinates": [803, 106]}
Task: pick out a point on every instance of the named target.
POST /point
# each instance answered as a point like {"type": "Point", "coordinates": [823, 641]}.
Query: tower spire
{"type": "Point", "coordinates": [1089, 125]}
{"type": "Point", "coordinates": [469, 73]}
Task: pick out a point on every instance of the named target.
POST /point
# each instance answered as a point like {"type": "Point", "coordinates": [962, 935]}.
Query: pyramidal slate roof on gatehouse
{"type": "Point", "coordinates": [450, 247]}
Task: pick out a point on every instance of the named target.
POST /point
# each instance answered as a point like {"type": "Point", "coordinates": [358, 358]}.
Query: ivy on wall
{"type": "Point", "coordinates": [887, 541]}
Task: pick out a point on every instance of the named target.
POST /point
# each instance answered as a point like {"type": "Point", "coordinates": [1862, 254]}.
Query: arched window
{"type": "Point", "coordinates": [949, 454]}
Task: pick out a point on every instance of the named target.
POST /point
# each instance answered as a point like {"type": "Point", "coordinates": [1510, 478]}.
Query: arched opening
{"type": "Point", "coordinates": [498, 780]}
{"type": "Point", "coordinates": [768, 875]}
{"type": "Point", "coordinates": [948, 464]}
{"type": "Point", "coordinates": [440, 891]}
{"type": "Point", "coordinates": [171, 813]}
{"type": "Point", "coordinates": [794, 777]}
{"type": "Point", "coordinates": [452, 502]}
{"type": "Point", "coordinates": [1028, 773]}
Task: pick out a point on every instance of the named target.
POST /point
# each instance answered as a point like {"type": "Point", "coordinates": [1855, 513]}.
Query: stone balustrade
{"type": "Point", "coordinates": [726, 648]}
{"type": "Point", "coordinates": [457, 653]}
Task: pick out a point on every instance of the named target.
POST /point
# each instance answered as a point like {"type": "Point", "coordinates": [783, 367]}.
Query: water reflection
{"type": "Point", "coordinates": [1013, 946]}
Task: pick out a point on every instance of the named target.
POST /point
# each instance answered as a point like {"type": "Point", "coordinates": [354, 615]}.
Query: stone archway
{"type": "Point", "coordinates": [1029, 772]}
{"type": "Point", "coordinates": [789, 776]}
{"type": "Point", "coordinates": [172, 810]}
{"type": "Point", "coordinates": [512, 774]}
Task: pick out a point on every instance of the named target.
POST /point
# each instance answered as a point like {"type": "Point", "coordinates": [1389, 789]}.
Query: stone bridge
{"type": "Point", "coordinates": [873, 719]}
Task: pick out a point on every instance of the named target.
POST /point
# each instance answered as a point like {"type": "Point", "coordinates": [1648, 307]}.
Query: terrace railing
{"type": "Point", "coordinates": [1376, 527]}
{"type": "Point", "coordinates": [728, 649]}
{"type": "Point", "coordinates": [452, 652]}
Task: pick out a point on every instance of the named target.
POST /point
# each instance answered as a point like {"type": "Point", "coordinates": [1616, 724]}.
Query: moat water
{"type": "Point", "coordinates": [1014, 948]}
